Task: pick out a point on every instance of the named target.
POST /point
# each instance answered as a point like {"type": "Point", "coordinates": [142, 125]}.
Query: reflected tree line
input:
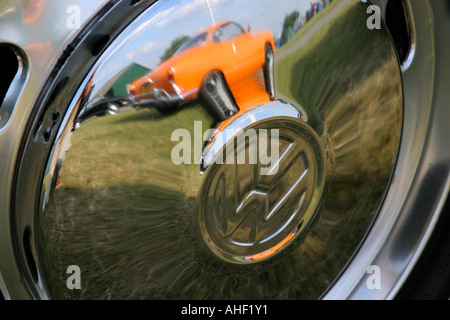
{"type": "Point", "coordinates": [295, 20]}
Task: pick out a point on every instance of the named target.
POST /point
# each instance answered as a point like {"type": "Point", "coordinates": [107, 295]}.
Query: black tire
{"type": "Point", "coordinates": [268, 72]}
{"type": "Point", "coordinates": [218, 96]}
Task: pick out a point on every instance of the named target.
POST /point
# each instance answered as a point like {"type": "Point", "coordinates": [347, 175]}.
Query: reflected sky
{"type": "Point", "coordinates": [260, 15]}
{"type": "Point", "coordinates": [191, 18]}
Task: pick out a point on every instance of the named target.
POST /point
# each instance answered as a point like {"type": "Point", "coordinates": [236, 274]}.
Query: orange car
{"type": "Point", "coordinates": [221, 64]}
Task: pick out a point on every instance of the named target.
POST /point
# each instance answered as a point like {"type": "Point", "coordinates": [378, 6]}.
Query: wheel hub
{"type": "Point", "coordinates": [140, 201]}
{"type": "Point", "coordinates": [250, 211]}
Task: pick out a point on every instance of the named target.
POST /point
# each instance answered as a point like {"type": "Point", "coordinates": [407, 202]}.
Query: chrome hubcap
{"type": "Point", "coordinates": [138, 199]}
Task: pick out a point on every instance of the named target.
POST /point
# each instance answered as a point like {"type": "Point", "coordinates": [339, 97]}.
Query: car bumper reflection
{"type": "Point", "coordinates": [161, 97]}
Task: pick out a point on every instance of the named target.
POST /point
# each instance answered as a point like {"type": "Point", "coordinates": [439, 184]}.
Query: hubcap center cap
{"type": "Point", "coordinates": [250, 211]}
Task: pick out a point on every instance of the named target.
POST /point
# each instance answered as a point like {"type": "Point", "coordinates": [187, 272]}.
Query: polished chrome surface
{"type": "Point", "coordinates": [408, 217]}
{"type": "Point", "coordinates": [143, 221]}
{"type": "Point", "coordinates": [38, 29]}
{"type": "Point", "coordinates": [251, 207]}
{"type": "Point", "coordinates": [114, 202]}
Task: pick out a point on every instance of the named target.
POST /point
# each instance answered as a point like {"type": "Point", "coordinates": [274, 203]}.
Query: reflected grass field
{"type": "Point", "coordinates": [115, 196]}
{"type": "Point", "coordinates": [358, 111]}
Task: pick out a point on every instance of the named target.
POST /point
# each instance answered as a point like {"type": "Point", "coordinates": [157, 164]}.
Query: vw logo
{"type": "Point", "coordinates": [245, 216]}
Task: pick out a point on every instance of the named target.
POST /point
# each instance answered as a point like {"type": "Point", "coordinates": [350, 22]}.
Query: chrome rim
{"type": "Point", "coordinates": [136, 198]}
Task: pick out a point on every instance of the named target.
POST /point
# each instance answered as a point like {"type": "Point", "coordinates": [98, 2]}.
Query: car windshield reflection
{"type": "Point", "coordinates": [225, 67]}
{"type": "Point", "coordinates": [193, 42]}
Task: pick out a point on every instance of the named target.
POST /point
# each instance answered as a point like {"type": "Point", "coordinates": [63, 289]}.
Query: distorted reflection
{"type": "Point", "coordinates": [128, 216]}
{"type": "Point", "coordinates": [227, 67]}
{"type": "Point", "coordinates": [222, 64]}
{"type": "Point", "coordinates": [32, 10]}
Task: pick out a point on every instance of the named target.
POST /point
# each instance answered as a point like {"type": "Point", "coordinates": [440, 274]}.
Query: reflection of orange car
{"type": "Point", "coordinates": [221, 60]}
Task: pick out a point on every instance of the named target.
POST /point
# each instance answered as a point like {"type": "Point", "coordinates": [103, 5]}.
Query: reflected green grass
{"type": "Point", "coordinates": [118, 201]}
{"type": "Point", "coordinates": [357, 108]}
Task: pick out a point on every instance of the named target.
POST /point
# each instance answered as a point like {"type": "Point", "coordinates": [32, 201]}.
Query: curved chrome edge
{"type": "Point", "coordinates": [409, 24]}
{"type": "Point", "coordinates": [384, 224]}
{"type": "Point", "coordinates": [396, 241]}
{"type": "Point", "coordinates": [16, 87]}
{"type": "Point", "coordinates": [412, 36]}
{"type": "Point", "coordinates": [3, 288]}
{"type": "Point", "coordinates": [13, 31]}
